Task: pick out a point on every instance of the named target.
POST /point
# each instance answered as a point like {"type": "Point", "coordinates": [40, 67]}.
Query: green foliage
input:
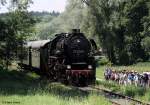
{"type": "Point", "coordinates": [103, 61]}
{"type": "Point", "coordinates": [146, 44]}
{"type": "Point", "coordinates": [146, 97]}
{"type": "Point", "coordinates": [124, 58]}
{"type": "Point", "coordinates": [73, 17]}
{"type": "Point", "coordinates": [42, 29]}
{"type": "Point", "coordinates": [121, 26]}
{"type": "Point", "coordinates": [15, 28]}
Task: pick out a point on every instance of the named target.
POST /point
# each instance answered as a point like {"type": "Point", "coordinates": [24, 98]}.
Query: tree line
{"type": "Point", "coordinates": [120, 27]}
{"type": "Point", "coordinates": [18, 26]}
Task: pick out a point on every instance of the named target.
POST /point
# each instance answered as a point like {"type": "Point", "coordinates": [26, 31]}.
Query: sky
{"type": "Point", "coordinates": [43, 5]}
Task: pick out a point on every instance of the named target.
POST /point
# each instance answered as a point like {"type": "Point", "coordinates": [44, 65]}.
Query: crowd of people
{"type": "Point", "coordinates": [126, 77]}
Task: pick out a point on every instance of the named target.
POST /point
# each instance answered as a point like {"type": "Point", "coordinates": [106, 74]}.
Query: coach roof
{"type": "Point", "coordinates": [37, 44]}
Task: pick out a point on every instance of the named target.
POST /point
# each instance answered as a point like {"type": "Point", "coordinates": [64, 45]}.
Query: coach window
{"type": "Point", "coordinates": [25, 56]}
{"type": "Point", "coordinates": [35, 57]}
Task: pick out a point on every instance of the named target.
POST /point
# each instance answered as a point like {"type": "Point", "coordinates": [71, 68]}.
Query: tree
{"type": "Point", "coordinates": [71, 18]}
{"type": "Point", "coordinates": [135, 13]}
{"type": "Point", "coordinates": [102, 11]}
{"type": "Point", "coordinates": [119, 26]}
{"type": "Point", "coordinates": [16, 27]}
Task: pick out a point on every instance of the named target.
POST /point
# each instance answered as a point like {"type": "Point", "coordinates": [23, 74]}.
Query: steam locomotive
{"type": "Point", "coordinates": [68, 58]}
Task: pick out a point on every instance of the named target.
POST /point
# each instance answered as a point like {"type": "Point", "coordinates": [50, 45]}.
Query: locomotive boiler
{"type": "Point", "coordinates": [68, 58]}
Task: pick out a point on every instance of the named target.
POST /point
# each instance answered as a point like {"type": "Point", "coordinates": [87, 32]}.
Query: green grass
{"type": "Point", "coordinates": [140, 93]}
{"type": "Point", "coordinates": [17, 88]}
{"type": "Point", "coordinates": [50, 99]}
{"type": "Point", "coordinates": [100, 72]}
{"type": "Point", "coordinates": [137, 92]}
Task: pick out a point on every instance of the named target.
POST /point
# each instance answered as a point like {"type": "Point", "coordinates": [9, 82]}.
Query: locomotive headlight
{"type": "Point", "coordinates": [89, 66]}
{"type": "Point", "coordinates": [68, 66]}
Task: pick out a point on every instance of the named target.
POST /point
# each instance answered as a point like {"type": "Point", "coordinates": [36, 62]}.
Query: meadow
{"type": "Point", "coordinates": [18, 88]}
{"type": "Point", "coordinates": [139, 93]}
{"type": "Point", "coordinates": [132, 91]}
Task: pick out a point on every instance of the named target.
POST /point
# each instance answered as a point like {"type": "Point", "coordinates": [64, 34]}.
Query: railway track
{"type": "Point", "coordinates": [114, 98]}
{"type": "Point", "coordinates": [114, 103]}
{"type": "Point", "coordinates": [123, 96]}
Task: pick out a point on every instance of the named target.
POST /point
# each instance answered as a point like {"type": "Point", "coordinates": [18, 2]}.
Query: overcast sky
{"type": "Point", "coordinates": [44, 5]}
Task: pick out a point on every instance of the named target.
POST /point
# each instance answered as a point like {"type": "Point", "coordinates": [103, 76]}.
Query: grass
{"type": "Point", "coordinates": [137, 92]}
{"type": "Point", "coordinates": [17, 88]}
{"type": "Point", "coordinates": [132, 91]}
{"type": "Point", "coordinates": [49, 99]}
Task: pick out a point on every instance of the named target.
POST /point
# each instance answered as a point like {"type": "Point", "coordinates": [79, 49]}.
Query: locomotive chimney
{"type": "Point", "coordinates": [75, 30]}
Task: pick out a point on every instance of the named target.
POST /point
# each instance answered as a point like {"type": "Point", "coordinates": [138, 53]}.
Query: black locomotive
{"type": "Point", "coordinates": [69, 58]}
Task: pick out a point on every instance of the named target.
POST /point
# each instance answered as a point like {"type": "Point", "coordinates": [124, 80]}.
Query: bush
{"type": "Point", "coordinates": [124, 58]}
{"type": "Point", "coordinates": [103, 61]}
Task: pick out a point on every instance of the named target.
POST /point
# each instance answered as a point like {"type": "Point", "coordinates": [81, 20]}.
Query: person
{"type": "Point", "coordinates": [112, 75]}
{"type": "Point", "coordinates": [140, 77]}
{"type": "Point", "coordinates": [145, 79]}
{"type": "Point", "coordinates": [116, 77]}
{"type": "Point", "coordinates": [130, 78]}
{"type": "Point", "coordinates": [121, 77]}
{"type": "Point", "coordinates": [125, 78]}
{"type": "Point", "coordinates": [107, 73]}
{"type": "Point", "coordinates": [148, 79]}
{"type": "Point", "coordinates": [136, 79]}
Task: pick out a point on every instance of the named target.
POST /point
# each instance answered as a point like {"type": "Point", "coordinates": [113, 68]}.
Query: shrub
{"type": "Point", "coordinates": [103, 61]}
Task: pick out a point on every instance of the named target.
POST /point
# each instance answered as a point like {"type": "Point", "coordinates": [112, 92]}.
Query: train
{"type": "Point", "coordinates": [67, 58]}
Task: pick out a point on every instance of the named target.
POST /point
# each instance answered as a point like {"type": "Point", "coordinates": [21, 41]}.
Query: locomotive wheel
{"type": "Point", "coordinates": [71, 80]}
{"type": "Point", "coordinates": [65, 81]}
{"type": "Point", "coordinates": [77, 81]}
